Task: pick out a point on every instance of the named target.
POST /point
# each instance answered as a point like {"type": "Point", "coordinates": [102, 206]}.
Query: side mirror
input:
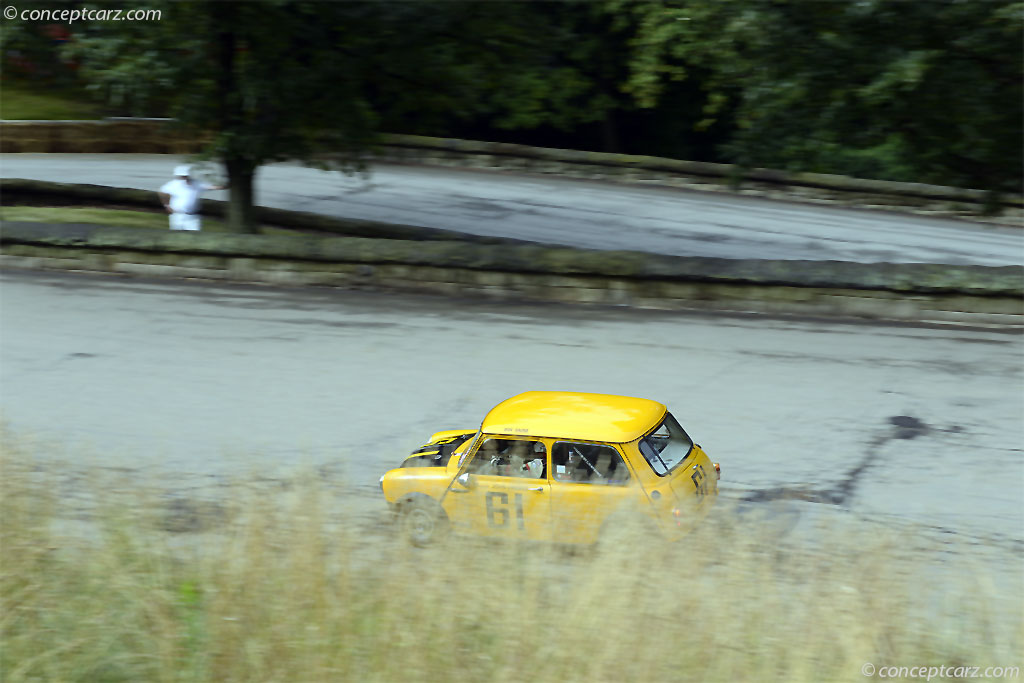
{"type": "Point", "coordinates": [467, 481]}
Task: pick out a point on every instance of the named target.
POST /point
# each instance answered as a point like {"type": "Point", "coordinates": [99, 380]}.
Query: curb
{"type": "Point", "coordinates": [729, 173]}
{"type": "Point", "coordinates": [917, 292]}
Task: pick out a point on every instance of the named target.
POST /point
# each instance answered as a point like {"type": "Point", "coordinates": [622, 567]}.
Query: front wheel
{"type": "Point", "coordinates": [424, 522]}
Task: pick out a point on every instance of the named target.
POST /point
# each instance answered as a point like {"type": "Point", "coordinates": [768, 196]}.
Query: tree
{"type": "Point", "coordinates": [277, 80]}
{"type": "Point", "coordinates": [263, 82]}
{"type": "Point", "coordinates": [926, 91]}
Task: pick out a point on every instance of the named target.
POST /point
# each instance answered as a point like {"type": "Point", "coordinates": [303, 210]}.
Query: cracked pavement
{"type": "Point", "coordinates": [193, 383]}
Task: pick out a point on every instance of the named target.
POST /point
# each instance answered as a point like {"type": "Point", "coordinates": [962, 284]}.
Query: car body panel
{"type": "Point", "coordinates": [501, 506]}
{"type": "Point", "coordinates": [580, 510]}
{"type": "Point", "coordinates": [401, 483]}
{"type": "Point", "coordinates": [447, 434]}
{"type": "Point", "coordinates": [573, 415]}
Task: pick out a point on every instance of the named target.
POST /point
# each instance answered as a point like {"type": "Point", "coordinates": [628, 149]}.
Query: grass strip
{"type": "Point", "coordinates": [122, 218]}
{"type": "Point", "coordinates": [285, 580]}
{"type": "Point", "coordinates": [23, 101]}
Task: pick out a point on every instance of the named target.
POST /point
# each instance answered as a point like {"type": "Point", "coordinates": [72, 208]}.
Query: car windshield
{"type": "Point", "coordinates": [463, 452]}
{"type": "Point", "coordinates": [666, 446]}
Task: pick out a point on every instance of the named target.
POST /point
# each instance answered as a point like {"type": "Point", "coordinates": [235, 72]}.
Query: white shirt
{"type": "Point", "coordinates": [535, 468]}
{"type": "Point", "coordinates": [184, 195]}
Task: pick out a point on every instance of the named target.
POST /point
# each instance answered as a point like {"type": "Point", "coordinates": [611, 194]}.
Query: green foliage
{"type": "Point", "coordinates": [27, 50]}
{"type": "Point", "coordinates": [928, 92]}
{"type": "Point", "coordinates": [266, 78]}
{"type": "Point", "coordinates": [501, 65]}
{"type": "Point", "coordinates": [900, 90]}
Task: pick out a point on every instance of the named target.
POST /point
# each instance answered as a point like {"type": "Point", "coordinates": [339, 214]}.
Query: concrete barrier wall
{"type": "Point", "coordinates": [123, 136]}
{"type": "Point", "coordinates": [694, 175]}
{"type": "Point", "coordinates": [160, 136]}
{"type": "Point", "coordinates": [531, 273]}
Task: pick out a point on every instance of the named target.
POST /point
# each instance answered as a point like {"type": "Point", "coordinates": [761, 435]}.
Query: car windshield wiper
{"type": "Point", "coordinates": [657, 454]}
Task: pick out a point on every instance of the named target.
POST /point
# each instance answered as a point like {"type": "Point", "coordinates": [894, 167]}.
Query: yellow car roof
{"type": "Point", "coordinates": [572, 415]}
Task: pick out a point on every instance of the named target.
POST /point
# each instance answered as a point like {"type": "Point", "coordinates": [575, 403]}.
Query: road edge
{"type": "Point", "coordinates": [978, 295]}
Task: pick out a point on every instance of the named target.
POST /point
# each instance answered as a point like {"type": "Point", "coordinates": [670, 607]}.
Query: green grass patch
{"type": "Point", "coordinates": [122, 218]}
{"type": "Point", "coordinates": [22, 101]}
{"type": "Point", "coordinates": [281, 581]}
{"type": "Point", "coordinates": [91, 215]}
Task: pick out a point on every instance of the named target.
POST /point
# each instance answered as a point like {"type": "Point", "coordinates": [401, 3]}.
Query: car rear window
{"type": "Point", "coordinates": [666, 447]}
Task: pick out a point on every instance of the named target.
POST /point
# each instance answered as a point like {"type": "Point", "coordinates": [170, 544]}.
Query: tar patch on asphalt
{"type": "Point", "coordinates": [899, 427]}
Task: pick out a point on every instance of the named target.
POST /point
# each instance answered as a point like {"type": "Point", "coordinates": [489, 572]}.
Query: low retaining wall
{"type": "Point", "coordinates": [107, 136]}
{"type": "Point", "coordinates": [818, 188]}
{"type": "Point", "coordinates": [159, 136]}
{"type": "Point", "coordinates": [533, 273]}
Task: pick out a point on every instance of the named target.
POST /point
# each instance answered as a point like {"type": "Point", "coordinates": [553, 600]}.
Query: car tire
{"type": "Point", "coordinates": [424, 522]}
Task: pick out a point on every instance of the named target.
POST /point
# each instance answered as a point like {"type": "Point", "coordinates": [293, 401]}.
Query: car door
{"type": "Point", "coordinates": [503, 490]}
{"type": "Point", "coordinates": [589, 482]}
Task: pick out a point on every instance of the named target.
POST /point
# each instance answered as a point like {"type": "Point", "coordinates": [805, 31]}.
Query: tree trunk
{"type": "Point", "coordinates": [231, 119]}
{"type": "Point", "coordinates": [610, 133]}
{"type": "Point", "coordinates": [241, 208]}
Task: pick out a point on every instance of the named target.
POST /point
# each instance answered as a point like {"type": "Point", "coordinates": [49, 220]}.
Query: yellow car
{"type": "Point", "coordinates": [555, 466]}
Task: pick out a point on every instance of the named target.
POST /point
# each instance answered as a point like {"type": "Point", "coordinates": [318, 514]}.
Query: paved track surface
{"type": "Point", "coordinates": [193, 382]}
{"type": "Point", "coordinates": [597, 215]}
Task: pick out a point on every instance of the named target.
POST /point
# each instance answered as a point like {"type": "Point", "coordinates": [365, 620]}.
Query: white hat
{"type": "Point", "coordinates": [182, 170]}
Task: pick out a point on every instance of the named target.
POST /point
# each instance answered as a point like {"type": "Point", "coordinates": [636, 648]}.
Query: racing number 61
{"type": "Point", "coordinates": [498, 513]}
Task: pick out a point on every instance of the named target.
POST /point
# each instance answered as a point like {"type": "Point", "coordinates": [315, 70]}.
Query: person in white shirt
{"type": "Point", "coordinates": [180, 198]}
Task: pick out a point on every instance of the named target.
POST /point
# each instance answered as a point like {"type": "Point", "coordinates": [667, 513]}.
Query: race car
{"type": "Point", "coordinates": [563, 467]}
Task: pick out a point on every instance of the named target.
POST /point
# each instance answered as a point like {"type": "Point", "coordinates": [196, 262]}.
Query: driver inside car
{"type": "Point", "coordinates": [534, 468]}
{"type": "Point", "coordinates": [526, 459]}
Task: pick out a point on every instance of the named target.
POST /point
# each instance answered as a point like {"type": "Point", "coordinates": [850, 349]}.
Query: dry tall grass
{"type": "Point", "coordinates": [295, 586]}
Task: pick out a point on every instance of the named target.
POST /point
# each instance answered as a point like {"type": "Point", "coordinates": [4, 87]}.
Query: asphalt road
{"type": "Point", "coordinates": [597, 215]}
{"type": "Point", "coordinates": [190, 382]}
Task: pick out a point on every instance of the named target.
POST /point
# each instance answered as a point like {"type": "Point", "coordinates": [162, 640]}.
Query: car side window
{"type": "Point", "coordinates": [510, 458]}
{"type": "Point", "coordinates": [587, 463]}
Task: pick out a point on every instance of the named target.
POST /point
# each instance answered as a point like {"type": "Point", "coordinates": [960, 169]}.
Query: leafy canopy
{"type": "Point", "coordinates": [922, 91]}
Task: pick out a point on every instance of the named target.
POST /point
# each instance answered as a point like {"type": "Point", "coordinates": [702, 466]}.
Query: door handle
{"type": "Point", "coordinates": [538, 488]}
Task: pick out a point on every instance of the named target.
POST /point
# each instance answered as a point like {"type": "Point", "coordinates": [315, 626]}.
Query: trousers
{"type": "Point", "coordinates": [184, 221]}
